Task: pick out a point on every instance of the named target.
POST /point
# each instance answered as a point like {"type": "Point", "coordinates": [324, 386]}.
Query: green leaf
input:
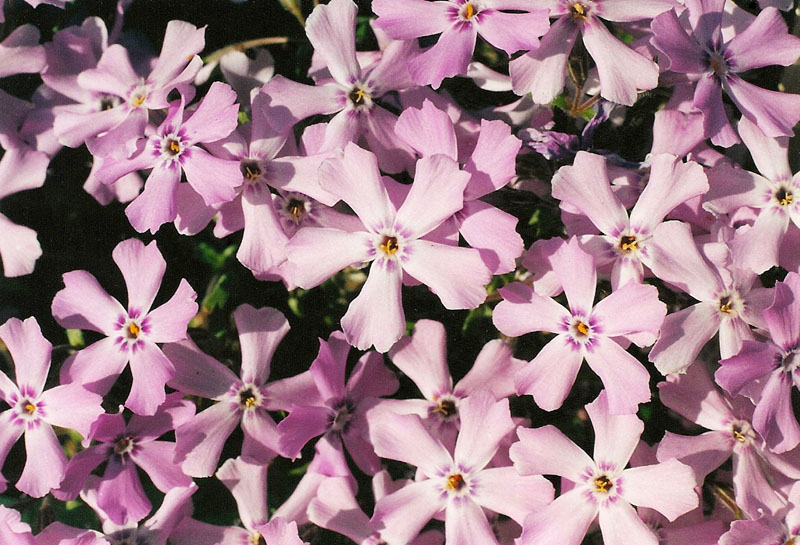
{"type": "Point", "coordinates": [216, 295]}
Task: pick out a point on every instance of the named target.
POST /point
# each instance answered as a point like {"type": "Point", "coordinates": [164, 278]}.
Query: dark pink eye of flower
{"type": "Point", "coordinates": [132, 331]}
{"type": "Point", "coordinates": [718, 64]}
{"type": "Point", "coordinates": [123, 445]}
{"type": "Point", "coordinates": [628, 243]}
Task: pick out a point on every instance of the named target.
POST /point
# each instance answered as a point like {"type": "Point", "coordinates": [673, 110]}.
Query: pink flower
{"type": "Point", "coordinates": [459, 484]}
{"type": "Point", "coordinates": [392, 241]}
{"type": "Point", "coordinates": [584, 331]}
{"type": "Point", "coordinates": [34, 411]}
{"type": "Point", "coordinates": [602, 488]}
{"type": "Point", "coordinates": [131, 335]}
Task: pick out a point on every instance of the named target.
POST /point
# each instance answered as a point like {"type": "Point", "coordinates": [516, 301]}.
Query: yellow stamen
{"type": "Point", "coordinates": [603, 484]}
{"type": "Point", "coordinates": [133, 330]}
{"type": "Point", "coordinates": [455, 481]}
{"type": "Point", "coordinates": [30, 408]}
{"type": "Point", "coordinates": [257, 539]}
{"type": "Point", "coordinates": [251, 172]}
{"type": "Point", "coordinates": [296, 208]}
{"type": "Point", "coordinates": [357, 96]}
{"type": "Point", "coordinates": [582, 328]}
{"type": "Point", "coordinates": [389, 245]}
{"type": "Point", "coordinates": [174, 146]}
{"type": "Point", "coordinates": [726, 305]}
{"type": "Point", "coordinates": [469, 11]}
{"type": "Point", "coordinates": [578, 11]}
{"type": "Point", "coordinates": [738, 435]}
{"type": "Point", "coordinates": [627, 243]}
{"type": "Point", "coordinates": [138, 99]}
{"type": "Point", "coordinates": [784, 197]}
{"type": "Point", "coordinates": [446, 407]}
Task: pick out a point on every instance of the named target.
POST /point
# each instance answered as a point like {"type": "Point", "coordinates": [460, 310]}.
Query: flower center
{"type": "Point", "coordinates": [107, 102]}
{"type": "Point", "coordinates": [389, 246]}
{"type": "Point", "coordinates": [603, 484]}
{"type": "Point", "coordinates": [250, 170]}
{"type": "Point", "coordinates": [257, 539]}
{"type": "Point", "coordinates": [358, 96]}
{"type": "Point", "coordinates": [784, 196]}
{"type": "Point", "coordinates": [578, 11]}
{"type": "Point", "coordinates": [248, 399]}
{"type": "Point", "coordinates": [137, 99]}
{"type": "Point", "coordinates": [446, 407]}
{"type": "Point", "coordinates": [790, 361]}
{"type": "Point", "coordinates": [296, 209]}
{"type": "Point", "coordinates": [30, 408]}
{"type": "Point", "coordinates": [123, 445]}
{"type": "Point", "coordinates": [172, 147]}
{"type": "Point", "coordinates": [718, 64]}
{"type": "Point", "coordinates": [455, 482]}
{"type": "Point", "coordinates": [628, 243]}
{"type": "Point", "coordinates": [742, 431]}
{"type": "Point", "coordinates": [341, 417]}
{"type": "Point", "coordinates": [468, 11]}
{"type": "Point", "coordinates": [730, 305]}
{"type": "Point", "coordinates": [132, 331]}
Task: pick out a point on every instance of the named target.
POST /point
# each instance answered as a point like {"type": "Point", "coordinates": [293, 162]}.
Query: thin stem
{"type": "Point", "coordinates": [243, 46]}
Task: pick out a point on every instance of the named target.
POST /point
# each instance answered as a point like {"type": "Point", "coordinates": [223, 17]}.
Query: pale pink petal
{"type": "Point", "coordinates": [769, 154]}
{"type": "Point", "coordinates": [263, 241]}
{"type": "Point", "coordinates": [330, 29]}
{"type": "Point", "coordinates": [213, 178]}
{"type": "Point", "coordinates": [759, 247]}
{"type": "Point", "coordinates": [303, 424]}
{"type": "Point", "coordinates": [247, 481]}
{"type": "Point", "coordinates": [465, 523]}
{"type": "Point", "coordinates": [290, 101]}
{"type": "Point", "coordinates": [676, 494]}
{"type": "Point", "coordinates": [78, 470]}
{"type": "Point", "coordinates": [151, 370]}
{"type": "Point", "coordinates": [774, 112]}
{"type": "Point", "coordinates": [457, 275]}
{"type": "Point", "coordinates": [400, 516]}
{"type": "Point", "coordinates": [320, 252]}
{"type": "Point", "coordinates": [513, 32]}
{"type": "Point", "coordinates": [493, 370]}
{"type": "Point", "coordinates": [621, 525]}
{"type": "Point", "coordinates": [336, 509]}
{"type": "Point", "coordinates": [423, 358]}
{"type": "Point", "coordinates": [95, 367]}
{"type": "Point", "coordinates": [671, 183]}
{"type": "Point", "coordinates": [624, 377]}
{"type": "Point", "coordinates": [493, 233]}
{"type": "Point", "coordinates": [547, 451]}
{"type": "Point", "coordinates": [550, 375]}
{"type": "Point", "coordinates": [575, 270]}
{"type": "Point", "coordinates": [215, 117]}
{"type": "Point", "coordinates": [683, 335]}
{"type": "Point", "coordinates": [281, 394]}
{"type": "Point", "coordinates": [694, 396]}
{"type": "Point", "coordinates": [355, 179]}
{"type": "Point", "coordinates": [200, 441]}
{"type": "Point", "coordinates": [616, 435]}
{"type": "Point", "coordinates": [71, 406]}
{"type": "Point", "coordinates": [783, 316]}
{"type": "Point", "coordinates": [157, 204]}
{"type": "Point", "coordinates": [702, 453]}
{"type": "Point", "coordinates": [708, 99]}
{"type": "Point", "coordinates": [19, 248]}
{"type": "Point", "coordinates": [9, 434]}
{"type": "Point", "coordinates": [631, 10]}
{"type": "Point", "coordinates": [448, 57]}
{"type": "Point", "coordinates": [394, 155]}
{"type": "Point", "coordinates": [371, 378]}
{"type": "Point", "coordinates": [586, 186]}
{"type": "Point", "coordinates": [765, 42]}
{"type": "Point", "coordinates": [261, 436]}
{"type": "Point", "coordinates": [328, 369]}
{"type": "Point", "coordinates": [634, 308]}
{"type": "Point", "coordinates": [22, 168]}
{"type": "Point", "coordinates": [503, 490]}
{"type": "Point", "coordinates": [484, 423]}
{"type": "Point", "coordinates": [542, 71]}
{"type": "Point", "coordinates": [436, 194]}
{"type": "Point", "coordinates": [523, 310]}
{"type": "Point", "coordinates": [168, 322]}
{"type": "Point", "coordinates": [774, 416]}
{"type": "Point", "coordinates": [493, 161]}
{"type": "Point", "coordinates": [412, 19]}
{"type": "Point", "coordinates": [404, 437]}
{"type": "Point", "coordinates": [196, 373]}
{"type": "Point", "coordinates": [45, 463]}
{"type": "Point", "coordinates": [120, 494]}
{"type": "Point", "coordinates": [674, 257]}
{"type": "Point", "coordinates": [29, 350]}
{"type": "Point", "coordinates": [732, 333]}
{"type": "Point", "coordinates": [428, 130]}
{"type": "Point", "coordinates": [565, 521]}
{"type": "Point", "coordinates": [376, 317]}
{"type": "Point", "coordinates": [260, 332]}
{"type": "Point", "coordinates": [143, 268]}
